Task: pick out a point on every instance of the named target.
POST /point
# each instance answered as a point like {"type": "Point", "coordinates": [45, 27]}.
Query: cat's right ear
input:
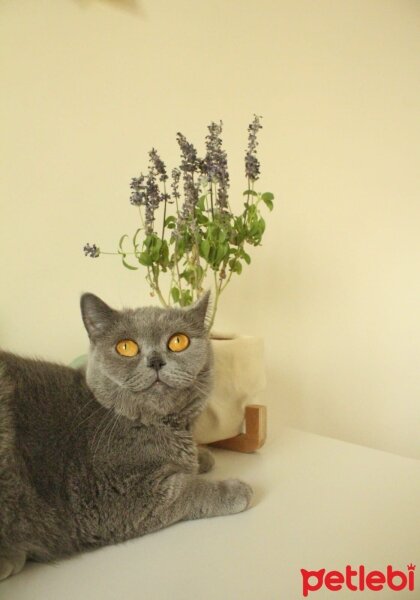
{"type": "Point", "coordinates": [97, 316]}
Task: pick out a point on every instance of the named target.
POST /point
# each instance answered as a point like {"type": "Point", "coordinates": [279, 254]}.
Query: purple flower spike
{"type": "Point", "coordinates": [92, 251]}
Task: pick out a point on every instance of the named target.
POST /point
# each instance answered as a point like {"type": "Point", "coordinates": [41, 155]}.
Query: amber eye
{"type": "Point", "coordinates": [127, 348]}
{"type": "Point", "coordinates": [178, 342]}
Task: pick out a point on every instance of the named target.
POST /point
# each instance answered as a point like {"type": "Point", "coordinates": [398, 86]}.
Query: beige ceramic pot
{"type": "Point", "coordinates": [239, 376]}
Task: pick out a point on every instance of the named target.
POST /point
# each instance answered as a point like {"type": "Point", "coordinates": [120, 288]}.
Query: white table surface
{"type": "Point", "coordinates": [318, 503]}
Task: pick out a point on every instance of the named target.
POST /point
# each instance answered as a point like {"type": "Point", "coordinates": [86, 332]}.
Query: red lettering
{"type": "Point", "coordinates": [357, 579]}
{"type": "Point", "coordinates": [334, 580]}
{"type": "Point", "coordinates": [309, 587]}
{"type": "Point", "coordinates": [391, 575]}
{"type": "Point", "coordinates": [349, 575]}
{"type": "Point", "coordinates": [375, 580]}
{"type": "Point", "coordinates": [411, 580]}
{"type": "Point", "coordinates": [361, 578]}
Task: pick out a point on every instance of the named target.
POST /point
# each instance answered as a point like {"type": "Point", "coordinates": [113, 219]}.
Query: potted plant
{"type": "Point", "coordinates": [187, 236]}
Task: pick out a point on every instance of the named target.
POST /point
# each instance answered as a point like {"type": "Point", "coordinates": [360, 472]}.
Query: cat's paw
{"type": "Point", "coordinates": [11, 565]}
{"type": "Point", "coordinates": [205, 460]}
{"type": "Point", "coordinates": [236, 495]}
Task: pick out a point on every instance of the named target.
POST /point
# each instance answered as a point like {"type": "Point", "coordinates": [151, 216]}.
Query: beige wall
{"type": "Point", "coordinates": [88, 87]}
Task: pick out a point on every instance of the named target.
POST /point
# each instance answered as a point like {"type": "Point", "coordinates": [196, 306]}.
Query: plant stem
{"type": "Point", "coordinates": [216, 301]}
{"type": "Point", "coordinates": [161, 298]}
{"type": "Point", "coordinates": [211, 200]}
{"type": "Point", "coordinates": [164, 211]}
{"type": "Point", "coordinates": [141, 218]}
{"type": "Point", "coordinates": [157, 288]}
{"type": "Point", "coordinates": [224, 286]}
{"type": "Point", "coordinates": [178, 273]}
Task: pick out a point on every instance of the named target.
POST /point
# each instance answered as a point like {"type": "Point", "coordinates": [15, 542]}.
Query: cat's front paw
{"type": "Point", "coordinates": [205, 460]}
{"type": "Point", "coordinates": [11, 565]}
{"type": "Point", "coordinates": [236, 495]}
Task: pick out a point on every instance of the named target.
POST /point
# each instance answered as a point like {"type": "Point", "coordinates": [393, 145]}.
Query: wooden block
{"type": "Point", "coordinates": [255, 431]}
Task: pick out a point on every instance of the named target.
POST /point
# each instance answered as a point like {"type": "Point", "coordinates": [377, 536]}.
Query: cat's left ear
{"type": "Point", "coordinates": [202, 310]}
{"type": "Point", "coordinates": [97, 316]}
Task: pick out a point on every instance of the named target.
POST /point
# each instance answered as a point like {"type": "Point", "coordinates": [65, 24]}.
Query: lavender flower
{"type": "Point", "coordinates": [176, 175]}
{"type": "Point", "coordinates": [158, 164]}
{"type": "Point", "coordinates": [252, 164]}
{"type": "Point", "coordinates": [146, 190]}
{"type": "Point", "coordinates": [190, 195]}
{"type": "Point", "coordinates": [153, 197]}
{"type": "Point", "coordinates": [92, 251]}
{"type": "Point", "coordinates": [138, 196]}
{"type": "Point", "coordinates": [190, 199]}
{"type": "Point", "coordinates": [190, 161]}
{"type": "Point", "coordinates": [214, 166]}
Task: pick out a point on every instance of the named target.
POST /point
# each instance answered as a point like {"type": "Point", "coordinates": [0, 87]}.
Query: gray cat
{"type": "Point", "coordinates": [93, 459]}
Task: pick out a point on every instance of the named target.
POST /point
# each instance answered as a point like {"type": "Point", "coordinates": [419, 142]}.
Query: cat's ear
{"type": "Point", "coordinates": [202, 310]}
{"type": "Point", "coordinates": [97, 316]}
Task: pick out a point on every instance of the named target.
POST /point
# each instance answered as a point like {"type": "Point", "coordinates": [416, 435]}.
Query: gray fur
{"type": "Point", "coordinates": [93, 459]}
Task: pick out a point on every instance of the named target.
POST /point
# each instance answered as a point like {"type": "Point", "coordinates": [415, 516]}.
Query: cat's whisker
{"type": "Point", "coordinates": [78, 425]}
{"type": "Point", "coordinates": [82, 408]}
{"type": "Point", "coordinates": [99, 433]}
{"type": "Point", "coordinates": [182, 377]}
{"type": "Point", "coordinates": [138, 383]}
{"type": "Point", "coordinates": [108, 427]}
{"type": "Point", "coordinates": [111, 433]}
{"type": "Point", "coordinates": [200, 388]}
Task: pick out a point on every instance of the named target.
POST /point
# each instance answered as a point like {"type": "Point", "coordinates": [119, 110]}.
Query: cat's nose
{"type": "Point", "coordinates": [155, 361]}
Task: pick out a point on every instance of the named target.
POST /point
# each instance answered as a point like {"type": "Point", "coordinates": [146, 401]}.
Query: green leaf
{"type": "Point", "coordinates": [204, 248]}
{"type": "Point", "coordinates": [145, 259]}
{"type": "Point", "coordinates": [222, 250]}
{"type": "Point", "coordinates": [250, 193]}
{"type": "Point", "coordinates": [246, 257]}
{"type": "Point", "coordinates": [175, 294]}
{"type": "Point", "coordinates": [235, 265]}
{"type": "Point", "coordinates": [201, 203]}
{"type": "Point", "coordinates": [148, 242]}
{"type": "Point", "coordinates": [186, 298]}
{"type": "Point", "coordinates": [135, 239]}
{"type": "Point", "coordinates": [188, 275]}
{"type": "Point", "coordinates": [155, 250]}
{"type": "Point", "coordinates": [268, 198]}
{"type": "Point", "coordinates": [213, 231]}
{"type": "Point", "coordinates": [202, 219]}
{"type": "Point", "coordinates": [222, 236]}
{"type": "Point", "coordinates": [127, 266]}
{"type": "Point", "coordinates": [251, 211]}
{"type": "Point", "coordinates": [157, 243]}
{"type": "Point", "coordinates": [122, 238]}
{"type": "Point", "coordinates": [199, 273]}
{"type": "Point", "coordinates": [164, 255]}
{"type": "Point", "coordinates": [170, 219]}
{"type": "Point", "coordinates": [180, 247]}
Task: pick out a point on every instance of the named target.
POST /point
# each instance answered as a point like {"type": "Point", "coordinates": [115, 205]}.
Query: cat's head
{"type": "Point", "coordinates": [147, 363]}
